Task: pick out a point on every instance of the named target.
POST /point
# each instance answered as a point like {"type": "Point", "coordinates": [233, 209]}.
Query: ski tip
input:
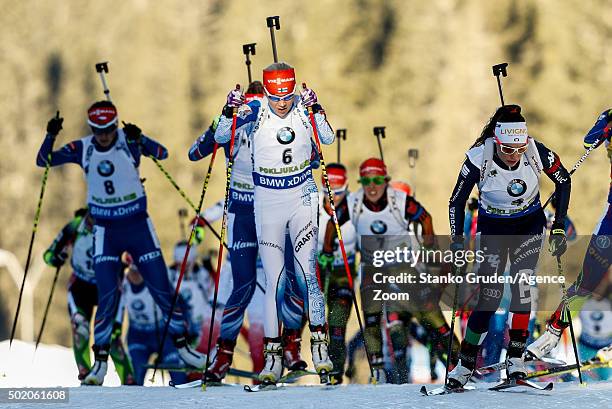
{"type": "Point", "coordinates": [549, 387]}
{"type": "Point", "coordinates": [424, 390]}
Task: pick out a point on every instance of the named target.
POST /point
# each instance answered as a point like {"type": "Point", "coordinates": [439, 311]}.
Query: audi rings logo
{"type": "Point", "coordinates": [378, 227]}
{"type": "Point", "coordinates": [516, 187]}
{"type": "Point", "coordinates": [106, 168]}
{"type": "Point", "coordinates": [603, 242]}
{"type": "Point", "coordinates": [491, 293]}
{"type": "Point", "coordinates": [285, 135]}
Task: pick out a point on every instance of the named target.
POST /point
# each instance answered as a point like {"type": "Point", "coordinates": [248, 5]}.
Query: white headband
{"type": "Point", "coordinates": [511, 132]}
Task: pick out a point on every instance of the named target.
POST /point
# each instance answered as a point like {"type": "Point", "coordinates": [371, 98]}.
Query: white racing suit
{"type": "Point", "coordinates": [285, 196]}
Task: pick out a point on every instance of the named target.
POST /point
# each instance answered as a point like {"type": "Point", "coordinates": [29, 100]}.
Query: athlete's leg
{"type": "Point", "coordinates": [303, 231]}
{"type": "Point", "coordinates": [145, 250]}
{"type": "Point", "coordinates": [82, 297]}
{"type": "Point", "coordinates": [140, 350]}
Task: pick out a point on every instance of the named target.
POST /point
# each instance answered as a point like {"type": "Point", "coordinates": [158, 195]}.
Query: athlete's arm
{"type": "Point", "coordinates": [151, 148]}
{"type": "Point", "coordinates": [247, 115]}
{"type": "Point", "coordinates": [468, 177]}
{"type": "Point", "coordinates": [203, 146]}
{"type": "Point", "coordinates": [326, 133]}
{"type": "Point", "coordinates": [69, 153]}
{"type": "Point", "coordinates": [62, 241]}
{"type": "Point", "coordinates": [330, 227]}
{"type": "Point", "coordinates": [600, 128]}
{"type": "Point", "coordinates": [553, 168]}
{"type": "Point", "coordinates": [415, 212]}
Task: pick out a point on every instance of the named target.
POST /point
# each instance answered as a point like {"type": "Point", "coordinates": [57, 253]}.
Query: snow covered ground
{"type": "Point", "coordinates": [53, 366]}
{"type": "Point", "coordinates": [565, 395]}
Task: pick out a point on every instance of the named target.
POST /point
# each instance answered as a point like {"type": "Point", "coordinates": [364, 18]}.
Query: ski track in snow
{"type": "Point", "coordinates": [565, 395]}
{"type": "Point", "coordinates": [54, 365]}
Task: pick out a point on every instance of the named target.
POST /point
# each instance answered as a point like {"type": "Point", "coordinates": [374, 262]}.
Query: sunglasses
{"type": "Point", "coordinates": [377, 180]}
{"type": "Point", "coordinates": [274, 98]}
{"type": "Point", "coordinates": [510, 150]}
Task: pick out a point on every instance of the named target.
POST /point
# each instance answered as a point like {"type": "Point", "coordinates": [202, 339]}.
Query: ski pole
{"type": "Point", "coordinates": [102, 68]}
{"type": "Point", "coordinates": [248, 50]}
{"type": "Point", "coordinates": [184, 262]}
{"type": "Point", "coordinates": [569, 317]}
{"type": "Point", "coordinates": [413, 156]}
{"type": "Point", "coordinates": [273, 23]}
{"type": "Point", "coordinates": [379, 132]}
{"type": "Point", "coordinates": [340, 134]}
{"type": "Point", "coordinates": [34, 228]}
{"type": "Point", "coordinates": [230, 163]}
{"type": "Point", "coordinates": [449, 352]}
{"type": "Point", "coordinates": [330, 196]}
{"type": "Point", "coordinates": [578, 163]}
{"type": "Point", "coordinates": [182, 214]}
{"type": "Point", "coordinates": [42, 326]}
{"type": "Point", "coordinates": [500, 69]}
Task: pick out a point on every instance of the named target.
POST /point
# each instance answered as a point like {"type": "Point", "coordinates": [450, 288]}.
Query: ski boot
{"type": "Point", "coordinates": [320, 357]}
{"type": "Point", "coordinates": [188, 354]}
{"type": "Point", "coordinates": [221, 365]}
{"type": "Point", "coordinates": [292, 344]}
{"type": "Point", "coordinates": [461, 374]}
{"type": "Point", "coordinates": [515, 364]}
{"type": "Point", "coordinates": [100, 366]}
{"type": "Point", "coordinates": [273, 365]}
{"type": "Point", "coordinates": [378, 370]}
{"type": "Point", "coordinates": [544, 344]}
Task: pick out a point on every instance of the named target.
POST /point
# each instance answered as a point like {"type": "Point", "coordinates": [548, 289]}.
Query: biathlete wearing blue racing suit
{"type": "Point", "coordinates": [117, 200]}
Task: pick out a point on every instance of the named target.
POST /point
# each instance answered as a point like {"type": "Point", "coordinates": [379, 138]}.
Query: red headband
{"type": "Point", "coordinates": [102, 117]}
{"type": "Point", "coordinates": [251, 97]}
{"type": "Point", "coordinates": [373, 166]}
{"type": "Point", "coordinates": [337, 177]}
{"type": "Point", "coordinates": [279, 82]}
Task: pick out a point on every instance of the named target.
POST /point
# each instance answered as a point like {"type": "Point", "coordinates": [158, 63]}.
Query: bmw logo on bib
{"type": "Point", "coordinates": [516, 187]}
{"type": "Point", "coordinates": [378, 227]}
{"type": "Point", "coordinates": [106, 168]}
{"type": "Point", "coordinates": [285, 135]}
{"type": "Point", "coordinates": [138, 305]}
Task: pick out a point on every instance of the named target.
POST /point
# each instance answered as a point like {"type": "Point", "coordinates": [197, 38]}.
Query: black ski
{"type": "Point", "coordinates": [445, 390]}
{"type": "Point", "coordinates": [500, 366]}
{"type": "Point", "coordinates": [262, 387]}
{"type": "Point", "coordinates": [512, 383]}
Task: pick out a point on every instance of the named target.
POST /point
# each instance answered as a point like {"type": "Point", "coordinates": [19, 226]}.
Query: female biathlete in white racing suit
{"type": "Point", "coordinates": [285, 198]}
{"type": "Point", "coordinates": [506, 163]}
{"type": "Point", "coordinates": [116, 198]}
{"type": "Point", "coordinates": [596, 263]}
{"type": "Point", "coordinates": [243, 257]}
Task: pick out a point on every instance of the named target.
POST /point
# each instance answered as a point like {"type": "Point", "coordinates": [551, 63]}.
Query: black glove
{"type": "Point", "coordinates": [54, 126]}
{"type": "Point", "coordinates": [557, 239]}
{"type": "Point", "coordinates": [132, 132]}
